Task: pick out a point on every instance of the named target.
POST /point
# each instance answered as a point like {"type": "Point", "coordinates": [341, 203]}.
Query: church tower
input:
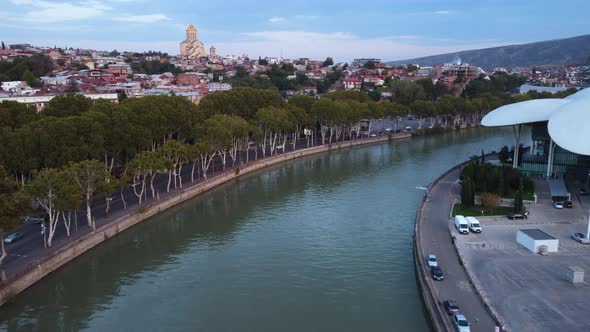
{"type": "Point", "coordinates": [191, 33]}
{"type": "Point", "coordinates": [192, 47]}
{"type": "Point", "coordinates": [212, 52]}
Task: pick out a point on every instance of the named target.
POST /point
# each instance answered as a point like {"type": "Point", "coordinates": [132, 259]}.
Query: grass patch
{"type": "Point", "coordinates": [476, 211]}
{"type": "Point", "coordinates": [526, 196]}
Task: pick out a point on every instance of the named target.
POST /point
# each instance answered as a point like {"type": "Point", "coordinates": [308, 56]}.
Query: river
{"type": "Point", "coordinates": [319, 244]}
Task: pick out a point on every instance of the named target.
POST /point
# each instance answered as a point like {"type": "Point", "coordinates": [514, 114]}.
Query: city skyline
{"type": "Point", "coordinates": [387, 30]}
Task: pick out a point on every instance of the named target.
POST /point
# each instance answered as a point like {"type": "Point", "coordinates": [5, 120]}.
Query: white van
{"type": "Point", "coordinates": [461, 224]}
{"type": "Point", "coordinates": [474, 225]}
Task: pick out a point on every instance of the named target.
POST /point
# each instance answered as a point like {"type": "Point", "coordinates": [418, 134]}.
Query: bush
{"type": "Point", "coordinates": [489, 201]}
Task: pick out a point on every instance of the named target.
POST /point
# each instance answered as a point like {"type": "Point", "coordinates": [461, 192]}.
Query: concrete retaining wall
{"type": "Point", "coordinates": [74, 249]}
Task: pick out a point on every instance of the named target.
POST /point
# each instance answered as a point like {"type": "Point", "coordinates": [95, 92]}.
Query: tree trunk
{"type": "Point", "coordinates": [123, 200]}
{"type": "Point", "coordinates": [89, 210]}
{"type": "Point", "coordinates": [169, 180]}
{"type": "Point", "coordinates": [152, 185]}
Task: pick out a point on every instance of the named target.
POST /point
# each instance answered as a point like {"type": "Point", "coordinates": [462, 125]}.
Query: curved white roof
{"type": "Point", "coordinates": [584, 93]}
{"type": "Point", "coordinates": [570, 126]}
{"type": "Point", "coordinates": [523, 112]}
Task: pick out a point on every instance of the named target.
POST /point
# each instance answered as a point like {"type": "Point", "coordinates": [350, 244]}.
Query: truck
{"type": "Point", "coordinates": [461, 224]}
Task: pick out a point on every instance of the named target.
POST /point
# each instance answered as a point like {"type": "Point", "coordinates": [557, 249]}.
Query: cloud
{"type": "Point", "coordinates": [40, 11]}
{"type": "Point", "coordinates": [442, 12]}
{"type": "Point", "coordinates": [277, 19]}
{"type": "Point", "coordinates": [149, 18]}
{"type": "Point", "coordinates": [343, 46]}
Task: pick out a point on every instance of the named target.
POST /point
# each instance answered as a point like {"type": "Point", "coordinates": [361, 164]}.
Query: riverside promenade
{"type": "Point", "coordinates": [432, 236]}
{"type": "Point", "coordinates": [31, 265]}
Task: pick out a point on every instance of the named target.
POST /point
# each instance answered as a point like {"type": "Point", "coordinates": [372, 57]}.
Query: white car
{"type": "Point", "coordinates": [461, 323]}
{"type": "Point", "coordinates": [387, 129]}
{"type": "Point", "coordinates": [558, 205]}
{"type": "Point", "coordinates": [432, 261]}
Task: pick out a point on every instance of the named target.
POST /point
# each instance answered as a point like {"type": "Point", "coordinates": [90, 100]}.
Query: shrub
{"type": "Point", "coordinates": [489, 201]}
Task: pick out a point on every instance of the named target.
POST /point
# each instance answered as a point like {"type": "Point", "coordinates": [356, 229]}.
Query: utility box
{"type": "Point", "coordinates": [576, 274]}
{"type": "Point", "coordinates": [533, 239]}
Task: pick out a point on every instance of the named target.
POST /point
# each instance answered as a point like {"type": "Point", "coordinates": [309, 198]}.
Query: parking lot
{"type": "Point", "coordinates": [531, 292]}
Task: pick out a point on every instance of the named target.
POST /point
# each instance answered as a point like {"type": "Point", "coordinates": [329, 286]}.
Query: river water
{"type": "Point", "coordinates": [319, 244]}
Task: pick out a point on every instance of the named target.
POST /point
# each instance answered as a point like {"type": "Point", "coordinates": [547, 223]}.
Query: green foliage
{"type": "Point", "coordinates": [328, 62]}
{"type": "Point", "coordinates": [504, 154]}
{"type": "Point", "coordinates": [67, 105]}
{"type": "Point", "coordinates": [244, 102]}
{"type": "Point", "coordinates": [154, 67]}
{"type": "Point", "coordinates": [406, 92]}
{"type": "Point", "coordinates": [501, 180]}
{"type": "Point", "coordinates": [13, 202]}
{"type": "Point", "coordinates": [498, 85]}
{"type": "Point", "coordinates": [15, 115]}
{"type": "Point", "coordinates": [38, 65]}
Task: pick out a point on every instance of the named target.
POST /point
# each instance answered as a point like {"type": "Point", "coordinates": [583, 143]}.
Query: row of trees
{"type": "Point", "coordinates": [491, 183]}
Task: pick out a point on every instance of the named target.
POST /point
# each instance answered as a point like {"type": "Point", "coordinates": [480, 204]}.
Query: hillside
{"type": "Point", "coordinates": [575, 50]}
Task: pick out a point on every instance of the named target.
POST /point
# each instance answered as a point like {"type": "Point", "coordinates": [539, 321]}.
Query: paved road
{"type": "Point", "coordinates": [436, 239]}
{"type": "Point", "coordinates": [28, 252]}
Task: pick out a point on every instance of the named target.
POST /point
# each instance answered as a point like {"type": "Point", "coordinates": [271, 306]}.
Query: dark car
{"type": "Point", "coordinates": [437, 273]}
{"type": "Point", "coordinates": [568, 204]}
{"type": "Point", "coordinates": [451, 307]}
{"type": "Point", "coordinates": [583, 192]}
{"type": "Point", "coordinates": [515, 216]}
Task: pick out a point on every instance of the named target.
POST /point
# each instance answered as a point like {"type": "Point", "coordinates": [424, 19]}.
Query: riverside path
{"type": "Point", "coordinates": [436, 239]}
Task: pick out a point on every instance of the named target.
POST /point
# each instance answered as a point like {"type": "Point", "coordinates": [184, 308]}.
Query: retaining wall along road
{"type": "Point", "coordinates": [76, 248]}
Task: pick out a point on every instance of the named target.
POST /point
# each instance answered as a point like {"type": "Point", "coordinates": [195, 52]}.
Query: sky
{"type": "Point", "coordinates": [390, 30]}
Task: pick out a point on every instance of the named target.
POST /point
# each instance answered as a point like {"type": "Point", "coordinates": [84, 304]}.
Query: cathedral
{"type": "Point", "coordinates": [192, 47]}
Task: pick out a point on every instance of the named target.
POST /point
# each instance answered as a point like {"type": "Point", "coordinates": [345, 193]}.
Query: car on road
{"type": "Point", "coordinates": [516, 216]}
{"type": "Point", "coordinates": [373, 135]}
{"type": "Point", "coordinates": [37, 218]}
{"type": "Point", "coordinates": [568, 204]}
{"type": "Point", "coordinates": [408, 128]}
{"type": "Point", "coordinates": [451, 307]}
{"type": "Point", "coordinates": [583, 192]}
{"type": "Point", "coordinates": [558, 205]}
{"type": "Point", "coordinates": [431, 259]}
{"type": "Point", "coordinates": [437, 273]}
{"type": "Point", "coordinates": [461, 323]}
{"type": "Point", "coordinates": [579, 237]}
{"type": "Point", "coordinates": [13, 237]}
{"type": "Point", "coordinates": [387, 129]}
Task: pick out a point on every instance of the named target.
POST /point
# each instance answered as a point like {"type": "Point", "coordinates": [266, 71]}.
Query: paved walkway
{"type": "Point", "coordinates": [436, 240]}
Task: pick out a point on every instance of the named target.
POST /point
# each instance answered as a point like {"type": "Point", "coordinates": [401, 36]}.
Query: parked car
{"type": "Point", "coordinates": [474, 225]}
{"type": "Point", "coordinates": [13, 237]}
{"type": "Point", "coordinates": [387, 129]}
{"type": "Point", "coordinates": [432, 260]}
{"type": "Point", "coordinates": [515, 216]}
{"type": "Point", "coordinates": [451, 307]}
{"type": "Point", "coordinates": [583, 192]}
{"type": "Point", "coordinates": [558, 205]}
{"type": "Point", "coordinates": [437, 273]}
{"type": "Point", "coordinates": [408, 128]}
{"type": "Point", "coordinates": [580, 238]}
{"type": "Point", "coordinates": [461, 224]}
{"type": "Point", "coordinates": [373, 135]}
{"type": "Point", "coordinates": [568, 204]}
{"type": "Point", "coordinates": [461, 323]}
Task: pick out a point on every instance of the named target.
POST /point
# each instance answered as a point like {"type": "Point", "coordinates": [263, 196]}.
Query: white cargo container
{"type": "Point", "coordinates": [532, 239]}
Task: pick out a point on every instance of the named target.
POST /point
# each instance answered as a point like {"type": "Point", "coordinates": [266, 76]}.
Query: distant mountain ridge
{"type": "Point", "coordinates": [574, 50]}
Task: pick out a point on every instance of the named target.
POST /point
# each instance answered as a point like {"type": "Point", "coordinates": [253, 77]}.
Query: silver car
{"type": "Point", "coordinates": [579, 237]}
{"type": "Point", "coordinates": [13, 237]}
{"type": "Point", "coordinates": [461, 323]}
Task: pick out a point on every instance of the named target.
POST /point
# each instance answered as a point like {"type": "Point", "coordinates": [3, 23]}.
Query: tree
{"type": "Point", "coordinates": [328, 62]}
{"type": "Point", "coordinates": [89, 175]}
{"type": "Point", "coordinates": [3, 46]}
{"type": "Point", "coordinates": [67, 105]}
{"type": "Point", "coordinates": [13, 204]}
{"type": "Point", "coordinates": [504, 154]}
{"type": "Point", "coordinates": [489, 201]}
{"type": "Point", "coordinates": [45, 188]}
{"type": "Point", "coordinates": [73, 87]}
{"type": "Point", "coordinates": [121, 95]}
{"type": "Point", "coordinates": [406, 92]}
{"type": "Point", "coordinates": [370, 65]}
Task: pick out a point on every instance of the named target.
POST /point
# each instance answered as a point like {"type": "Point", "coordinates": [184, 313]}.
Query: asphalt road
{"type": "Point", "coordinates": [436, 240]}
{"type": "Point", "coordinates": [26, 253]}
